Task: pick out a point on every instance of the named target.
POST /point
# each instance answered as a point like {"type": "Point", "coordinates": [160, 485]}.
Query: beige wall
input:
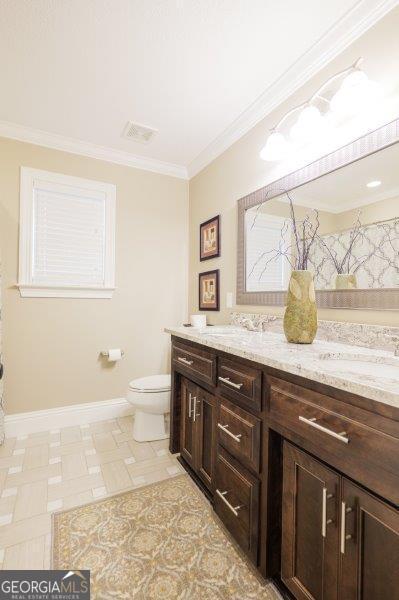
{"type": "Point", "coordinates": [384, 210]}
{"type": "Point", "coordinates": [239, 171]}
{"type": "Point", "coordinates": [51, 346]}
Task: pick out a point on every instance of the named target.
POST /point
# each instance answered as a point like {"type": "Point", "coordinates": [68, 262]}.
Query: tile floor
{"type": "Point", "coordinates": [62, 468]}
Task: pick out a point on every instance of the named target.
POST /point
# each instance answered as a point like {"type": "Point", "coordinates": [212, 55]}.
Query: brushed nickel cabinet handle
{"type": "Point", "coordinates": [190, 410]}
{"type": "Point", "coordinates": [237, 386]}
{"type": "Point", "coordinates": [184, 360]}
{"type": "Point", "coordinates": [338, 436]}
{"type": "Point", "coordinates": [324, 520]}
{"type": "Point", "coordinates": [344, 537]}
{"type": "Point", "coordinates": [224, 428]}
{"type": "Point", "coordinates": [194, 409]}
{"type": "Point", "coordinates": [324, 514]}
{"type": "Point", "coordinates": [234, 509]}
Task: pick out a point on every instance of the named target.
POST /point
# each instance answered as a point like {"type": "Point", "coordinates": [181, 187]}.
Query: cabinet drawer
{"type": "Point", "coordinates": [241, 383]}
{"type": "Point", "coordinates": [196, 361]}
{"type": "Point", "coordinates": [237, 502]}
{"type": "Point", "coordinates": [348, 434]}
{"type": "Point", "coordinates": [239, 432]}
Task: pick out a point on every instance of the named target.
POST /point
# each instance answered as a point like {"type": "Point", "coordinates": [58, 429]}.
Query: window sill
{"type": "Point", "coordinates": [48, 291]}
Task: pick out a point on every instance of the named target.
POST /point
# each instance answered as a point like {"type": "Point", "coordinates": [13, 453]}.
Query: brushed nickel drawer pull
{"type": "Point", "coordinates": [312, 422]}
{"type": "Point", "coordinates": [224, 428]}
{"type": "Point", "coordinates": [184, 360]}
{"type": "Point", "coordinates": [234, 509]}
{"type": "Point", "coordinates": [238, 386]}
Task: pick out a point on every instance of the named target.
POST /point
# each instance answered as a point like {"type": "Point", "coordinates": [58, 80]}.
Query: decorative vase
{"type": "Point", "coordinates": [345, 281]}
{"type": "Point", "coordinates": [300, 318]}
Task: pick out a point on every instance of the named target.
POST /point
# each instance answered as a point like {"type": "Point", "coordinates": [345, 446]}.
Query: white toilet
{"type": "Point", "coordinates": [150, 398]}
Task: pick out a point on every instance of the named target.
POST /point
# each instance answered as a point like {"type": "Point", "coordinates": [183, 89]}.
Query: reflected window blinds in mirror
{"type": "Point", "coordinates": [264, 233]}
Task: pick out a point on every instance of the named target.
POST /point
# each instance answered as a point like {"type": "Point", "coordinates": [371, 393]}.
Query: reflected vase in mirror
{"type": "Point", "coordinates": [300, 318]}
{"type": "Point", "coordinates": [345, 281]}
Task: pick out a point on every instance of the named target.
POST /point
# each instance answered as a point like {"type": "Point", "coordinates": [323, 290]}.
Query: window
{"type": "Point", "coordinates": [265, 269]}
{"type": "Point", "coordinates": [67, 236]}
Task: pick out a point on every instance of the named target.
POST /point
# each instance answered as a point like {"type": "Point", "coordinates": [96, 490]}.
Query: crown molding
{"type": "Point", "coordinates": [351, 26]}
{"type": "Point", "coordinates": [73, 146]}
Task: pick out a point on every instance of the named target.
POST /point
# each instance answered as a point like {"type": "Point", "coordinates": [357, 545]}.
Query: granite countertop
{"type": "Point", "coordinates": [367, 372]}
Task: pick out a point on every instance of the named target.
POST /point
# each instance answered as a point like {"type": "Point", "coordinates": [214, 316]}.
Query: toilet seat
{"type": "Point", "coordinates": [151, 384]}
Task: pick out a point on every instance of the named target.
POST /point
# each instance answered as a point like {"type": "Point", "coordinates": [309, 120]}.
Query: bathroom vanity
{"type": "Point", "coordinates": [297, 449]}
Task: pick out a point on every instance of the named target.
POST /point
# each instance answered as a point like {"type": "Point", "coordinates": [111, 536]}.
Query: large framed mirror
{"type": "Point", "coordinates": [351, 199]}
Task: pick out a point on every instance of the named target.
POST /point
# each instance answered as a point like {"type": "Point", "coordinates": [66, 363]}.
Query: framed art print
{"type": "Point", "coordinates": [209, 290]}
{"type": "Point", "coordinates": [210, 238]}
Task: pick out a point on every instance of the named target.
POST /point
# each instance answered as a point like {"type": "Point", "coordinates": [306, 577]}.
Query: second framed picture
{"type": "Point", "coordinates": [210, 238]}
{"type": "Point", "coordinates": [208, 284]}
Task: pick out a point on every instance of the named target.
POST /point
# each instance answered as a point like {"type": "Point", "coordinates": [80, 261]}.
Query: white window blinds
{"type": "Point", "coordinates": [265, 271]}
{"type": "Point", "coordinates": [67, 236]}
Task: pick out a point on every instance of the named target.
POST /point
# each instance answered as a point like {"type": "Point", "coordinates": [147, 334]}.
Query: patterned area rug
{"type": "Point", "coordinates": [157, 542]}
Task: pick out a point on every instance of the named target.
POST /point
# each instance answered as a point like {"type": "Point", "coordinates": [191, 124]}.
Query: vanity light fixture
{"type": "Point", "coordinates": [276, 147]}
{"type": "Point", "coordinates": [373, 184]}
{"type": "Point", "coordinates": [356, 90]}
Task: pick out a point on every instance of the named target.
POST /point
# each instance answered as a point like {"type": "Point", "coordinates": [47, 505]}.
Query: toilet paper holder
{"type": "Point", "coordinates": [106, 353]}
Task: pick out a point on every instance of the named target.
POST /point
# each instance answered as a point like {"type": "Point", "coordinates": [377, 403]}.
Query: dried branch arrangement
{"type": "Point", "coordinates": [304, 234]}
{"type": "Point", "coordinates": [349, 263]}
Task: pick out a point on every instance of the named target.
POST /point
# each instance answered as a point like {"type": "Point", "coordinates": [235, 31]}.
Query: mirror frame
{"type": "Point", "coordinates": [374, 299]}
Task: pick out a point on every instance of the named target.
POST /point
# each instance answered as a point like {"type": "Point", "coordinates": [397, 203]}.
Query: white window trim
{"type": "Point", "coordinates": [29, 289]}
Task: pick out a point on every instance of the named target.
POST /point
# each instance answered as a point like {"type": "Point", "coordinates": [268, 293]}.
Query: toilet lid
{"type": "Point", "coordinates": [153, 383]}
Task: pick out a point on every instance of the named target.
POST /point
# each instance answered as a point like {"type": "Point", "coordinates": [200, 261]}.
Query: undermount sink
{"type": "Point", "coordinates": [368, 366]}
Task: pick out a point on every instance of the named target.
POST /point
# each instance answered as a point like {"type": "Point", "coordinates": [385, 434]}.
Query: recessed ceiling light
{"type": "Point", "coordinates": [375, 183]}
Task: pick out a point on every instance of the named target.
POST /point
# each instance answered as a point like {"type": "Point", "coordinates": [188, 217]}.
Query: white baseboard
{"type": "Point", "coordinates": [65, 416]}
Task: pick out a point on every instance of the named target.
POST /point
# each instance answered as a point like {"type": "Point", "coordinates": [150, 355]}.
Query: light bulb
{"type": "Point", "coordinates": [276, 147]}
{"type": "Point", "coordinates": [357, 93]}
{"type": "Point", "coordinates": [310, 124]}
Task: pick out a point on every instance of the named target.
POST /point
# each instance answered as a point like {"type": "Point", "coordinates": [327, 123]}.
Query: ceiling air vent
{"type": "Point", "coordinates": [138, 133]}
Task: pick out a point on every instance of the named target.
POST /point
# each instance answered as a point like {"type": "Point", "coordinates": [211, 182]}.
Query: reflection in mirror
{"type": "Point", "coordinates": [353, 215]}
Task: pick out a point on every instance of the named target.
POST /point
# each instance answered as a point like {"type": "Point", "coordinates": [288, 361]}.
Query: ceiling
{"type": "Point", "coordinates": [201, 72]}
{"type": "Point", "coordinates": [346, 188]}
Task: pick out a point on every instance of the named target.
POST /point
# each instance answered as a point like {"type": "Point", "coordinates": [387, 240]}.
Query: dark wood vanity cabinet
{"type": "Point", "coordinates": [188, 430]}
{"type": "Point", "coordinates": [309, 554]}
{"type": "Point", "coordinates": [338, 540]}
{"type": "Point", "coordinates": [198, 416]}
{"type": "Point", "coordinates": [369, 546]}
{"type": "Point", "coordinates": [205, 420]}
{"type": "Point", "coordinates": [304, 477]}
{"type": "Point", "coordinates": [237, 502]}
{"type": "Point", "coordinates": [240, 383]}
{"type": "Point", "coordinates": [238, 431]}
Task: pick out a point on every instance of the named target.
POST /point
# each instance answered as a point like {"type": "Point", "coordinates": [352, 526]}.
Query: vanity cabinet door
{"type": "Point", "coordinates": [369, 546]}
{"type": "Point", "coordinates": [205, 417]}
{"type": "Point", "coordinates": [188, 396]}
{"type": "Point", "coordinates": [309, 527]}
